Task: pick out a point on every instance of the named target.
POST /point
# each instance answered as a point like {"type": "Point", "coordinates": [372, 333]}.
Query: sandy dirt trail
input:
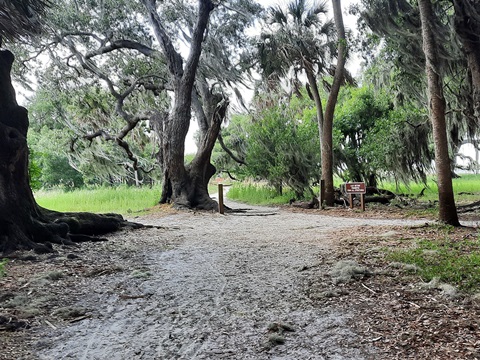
{"type": "Point", "coordinates": [224, 287]}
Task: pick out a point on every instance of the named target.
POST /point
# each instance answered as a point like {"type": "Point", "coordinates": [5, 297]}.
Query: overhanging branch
{"type": "Point", "coordinates": [123, 44]}
{"type": "Point", "coordinates": [228, 151]}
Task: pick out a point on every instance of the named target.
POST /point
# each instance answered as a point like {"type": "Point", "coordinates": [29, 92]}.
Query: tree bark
{"type": "Point", "coordinates": [312, 81]}
{"type": "Point", "coordinates": [437, 106]}
{"type": "Point", "coordinates": [327, 133]}
{"type": "Point", "coordinates": [23, 224]}
{"type": "Point", "coordinates": [467, 26]}
{"type": "Point", "coordinates": [185, 187]}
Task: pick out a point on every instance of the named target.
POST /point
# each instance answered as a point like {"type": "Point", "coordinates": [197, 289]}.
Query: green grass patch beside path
{"type": "Point", "coordinates": [123, 200]}
{"type": "Point", "coordinates": [258, 194]}
{"type": "Point", "coordinates": [455, 262]}
{"type": "Point", "coordinates": [466, 188]}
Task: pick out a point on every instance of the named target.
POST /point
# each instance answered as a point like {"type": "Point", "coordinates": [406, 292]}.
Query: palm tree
{"type": "Point", "coordinates": [300, 39]}
{"type": "Point", "coordinates": [297, 39]}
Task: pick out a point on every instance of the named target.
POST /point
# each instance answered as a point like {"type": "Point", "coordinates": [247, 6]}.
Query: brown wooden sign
{"type": "Point", "coordinates": [355, 188]}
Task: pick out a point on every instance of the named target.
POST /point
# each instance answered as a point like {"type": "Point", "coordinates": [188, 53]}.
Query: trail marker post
{"type": "Point", "coordinates": [221, 207]}
{"type": "Point", "coordinates": [356, 188]}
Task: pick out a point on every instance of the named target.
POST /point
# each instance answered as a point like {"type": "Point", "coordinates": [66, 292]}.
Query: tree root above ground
{"type": "Point", "coordinates": [469, 208]}
{"type": "Point", "coordinates": [40, 232]}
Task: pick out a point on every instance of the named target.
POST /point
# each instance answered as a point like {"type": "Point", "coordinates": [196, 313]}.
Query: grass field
{"type": "Point", "coordinates": [466, 189]}
{"type": "Point", "coordinates": [121, 200]}
{"type": "Point", "coordinates": [125, 200]}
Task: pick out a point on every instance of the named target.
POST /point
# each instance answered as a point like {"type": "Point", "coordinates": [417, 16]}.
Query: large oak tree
{"type": "Point", "coordinates": [184, 186]}
{"type": "Point", "coordinates": [24, 224]}
{"type": "Point", "coordinates": [181, 73]}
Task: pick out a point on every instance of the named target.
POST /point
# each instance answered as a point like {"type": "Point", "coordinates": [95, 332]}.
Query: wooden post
{"type": "Point", "coordinates": [362, 201]}
{"type": "Point", "coordinates": [221, 208]}
{"type": "Point", "coordinates": [350, 200]}
{"type": "Point", "coordinates": [322, 193]}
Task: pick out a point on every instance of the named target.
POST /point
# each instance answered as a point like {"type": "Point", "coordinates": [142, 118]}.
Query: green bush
{"type": "Point", "coordinates": [373, 138]}
{"type": "Point", "coordinates": [283, 147]}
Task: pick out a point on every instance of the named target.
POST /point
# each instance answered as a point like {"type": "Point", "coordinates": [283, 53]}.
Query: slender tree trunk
{"type": "Point", "coordinates": [467, 26]}
{"type": "Point", "coordinates": [312, 81]}
{"type": "Point", "coordinates": [437, 106]}
{"type": "Point", "coordinates": [327, 133]}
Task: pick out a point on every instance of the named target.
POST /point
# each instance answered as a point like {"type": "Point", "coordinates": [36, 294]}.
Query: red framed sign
{"type": "Point", "coordinates": [355, 188]}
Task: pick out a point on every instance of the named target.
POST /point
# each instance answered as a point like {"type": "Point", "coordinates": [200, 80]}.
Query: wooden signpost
{"type": "Point", "coordinates": [356, 188]}
{"type": "Point", "coordinates": [221, 206]}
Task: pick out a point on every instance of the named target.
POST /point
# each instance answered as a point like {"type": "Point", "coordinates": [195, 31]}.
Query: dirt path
{"type": "Point", "coordinates": [212, 287]}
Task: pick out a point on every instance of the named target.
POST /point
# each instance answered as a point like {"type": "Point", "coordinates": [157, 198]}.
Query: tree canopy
{"type": "Point", "coordinates": [20, 18]}
{"type": "Point", "coordinates": [122, 81]}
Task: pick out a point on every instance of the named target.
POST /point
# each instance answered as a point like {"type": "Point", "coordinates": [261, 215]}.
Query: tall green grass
{"type": "Point", "coordinates": [463, 187]}
{"type": "Point", "coordinates": [258, 194]}
{"type": "Point", "coordinates": [131, 199]}
{"type": "Point", "coordinates": [466, 188]}
{"type": "Point", "coordinates": [121, 200]}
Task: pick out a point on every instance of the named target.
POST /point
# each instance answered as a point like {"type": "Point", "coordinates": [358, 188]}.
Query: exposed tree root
{"type": "Point", "coordinates": [59, 228]}
{"type": "Point", "coordinates": [469, 208]}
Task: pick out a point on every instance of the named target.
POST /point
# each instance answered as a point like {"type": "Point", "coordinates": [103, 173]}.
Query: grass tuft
{"type": "Point", "coordinates": [345, 271]}
{"type": "Point", "coordinates": [53, 275]}
{"type": "Point", "coordinates": [3, 263]}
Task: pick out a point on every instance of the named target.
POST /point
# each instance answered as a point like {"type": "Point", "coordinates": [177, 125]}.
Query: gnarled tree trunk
{"type": "Point", "coordinates": [24, 224]}
{"type": "Point", "coordinates": [184, 186]}
{"type": "Point", "coordinates": [210, 109]}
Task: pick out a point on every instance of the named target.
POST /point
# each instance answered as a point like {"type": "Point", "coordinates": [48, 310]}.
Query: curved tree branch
{"type": "Point", "coordinates": [228, 151]}
{"type": "Point", "coordinates": [206, 7]}
{"type": "Point", "coordinates": [123, 44]}
{"type": "Point", "coordinates": [174, 59]}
